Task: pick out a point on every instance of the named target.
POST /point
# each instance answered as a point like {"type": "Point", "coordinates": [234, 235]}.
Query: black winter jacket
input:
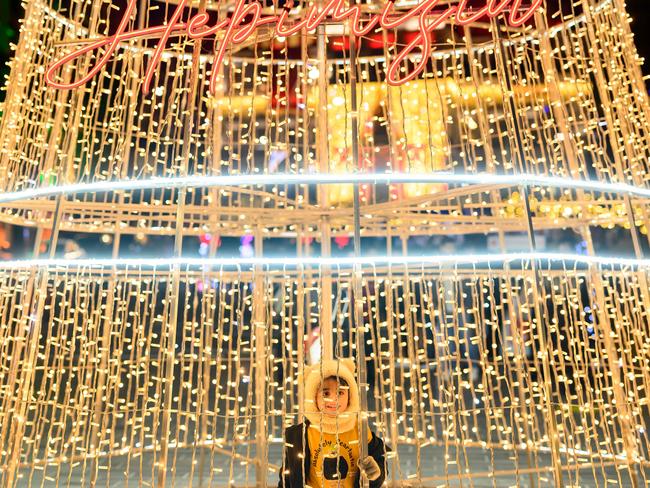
{"type": "Point", "coordinates": [296, 462]}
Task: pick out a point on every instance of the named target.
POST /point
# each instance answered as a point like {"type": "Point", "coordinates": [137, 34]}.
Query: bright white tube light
{"type": "Point", "coordinates": [201, 181]}
{"type": "Point", "coordinates": [342, 262]}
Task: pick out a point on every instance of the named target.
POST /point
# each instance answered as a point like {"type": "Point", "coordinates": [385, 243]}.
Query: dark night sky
{"type": "Point", "coordinates": [640, 12]}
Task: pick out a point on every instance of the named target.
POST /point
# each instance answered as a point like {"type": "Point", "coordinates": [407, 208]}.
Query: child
{"type": "Point", "coordinates": [323, 452]}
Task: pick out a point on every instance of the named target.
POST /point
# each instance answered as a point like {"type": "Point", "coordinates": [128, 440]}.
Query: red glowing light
{"type": "Point", "coordinates": [237, 31]}
{"type": "Point", "coordinates": [342, 241]}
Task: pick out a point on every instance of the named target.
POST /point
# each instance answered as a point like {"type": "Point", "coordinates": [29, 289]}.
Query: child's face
{"type": "Point", "coordinates": [332, 398]}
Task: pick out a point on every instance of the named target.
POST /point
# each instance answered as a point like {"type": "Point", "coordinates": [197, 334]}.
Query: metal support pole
{"type": "Point", "coordinates": [169, 350]}
{"type": "Point", "coordinates": [326, 316]}
{"type": "Point", "coordinates": [326, 319]}
{"type": "Point", "coordinates": [214, 146]}
{"type": "Point", "coordinates": [414, 364]}
{"type": "Point", "coordinates": [358, 276]}
{"type": "Point", "coordinates": [390, 327]}
{"type": "Point", "coordinates": [301, 297]}
{"type": "Point", "coordinates": [519, 360]}
{"type": "Point", "coordinates": [260, 353]}
{"type": "Point", "coordinates": [636, 241]}
{"type": "Point", "coordinates": [544, 345]}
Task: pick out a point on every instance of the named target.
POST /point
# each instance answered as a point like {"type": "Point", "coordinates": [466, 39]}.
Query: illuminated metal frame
{"type": "Point", "coordinates": [201, 181]}
{"type": "Point", "coordinates": [339, 262]}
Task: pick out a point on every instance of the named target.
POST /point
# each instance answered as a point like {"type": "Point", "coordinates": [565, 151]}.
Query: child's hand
{"type": "Point", "coordinates": [370, 467]}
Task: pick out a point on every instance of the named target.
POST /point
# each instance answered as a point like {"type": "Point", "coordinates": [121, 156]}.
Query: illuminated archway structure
{"type": "Point", "coordinates": [483, 370]}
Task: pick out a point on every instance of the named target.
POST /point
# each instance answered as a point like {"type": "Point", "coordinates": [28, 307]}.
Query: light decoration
{"type": "Point", "coordinates": [420, 133]}
{"type": "Point", "coordinates": [413, 338]}
{"type": "Point", "coordinates": [177, 371]}
{"type": "Point", "coordinates": [342, 241]}
{"type": "Point", "coordinates": [339, 141]}
{"type": "Point", "coordinates": [247, 18]}
{"type": "Point", "coordinates": [208, 241]}
{"type": "Point", "coordinates": [522, 180]}
{"type": "Point", "coordinates": [246, 249]}
{"type": "Point", "coordinates": [246, 261]}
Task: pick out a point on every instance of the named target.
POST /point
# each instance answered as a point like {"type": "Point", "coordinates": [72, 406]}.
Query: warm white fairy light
{"type": "Point", "coordinates": [547, 370]}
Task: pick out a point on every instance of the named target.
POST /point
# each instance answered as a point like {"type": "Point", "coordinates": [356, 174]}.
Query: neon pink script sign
{"type": "Point", "coordinates": [248, 16]}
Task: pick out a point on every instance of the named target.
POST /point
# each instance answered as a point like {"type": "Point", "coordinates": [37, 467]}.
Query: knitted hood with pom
{"type": "Point", "coordinates": [314, 376]}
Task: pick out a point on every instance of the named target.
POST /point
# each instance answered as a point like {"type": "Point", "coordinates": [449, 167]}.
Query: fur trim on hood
{"type": "Point", "coordinates": [314, 375]}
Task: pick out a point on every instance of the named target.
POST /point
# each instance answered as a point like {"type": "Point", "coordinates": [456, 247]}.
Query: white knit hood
{"type": "Point", "coordinates": [314, 375]}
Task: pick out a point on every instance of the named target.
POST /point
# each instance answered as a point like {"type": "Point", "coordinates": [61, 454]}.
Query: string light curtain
{"type": "Point", "coordinates": [484, 368]}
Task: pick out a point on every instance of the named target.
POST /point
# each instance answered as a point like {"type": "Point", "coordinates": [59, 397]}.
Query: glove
{"type": "Point", "coordinates": [370, 467]}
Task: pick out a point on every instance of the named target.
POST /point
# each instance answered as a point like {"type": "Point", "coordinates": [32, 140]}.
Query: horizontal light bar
{"type": "Point", "coordinates": [201, 181]}
{"type": "Point", "coordinates": [470, 259]}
